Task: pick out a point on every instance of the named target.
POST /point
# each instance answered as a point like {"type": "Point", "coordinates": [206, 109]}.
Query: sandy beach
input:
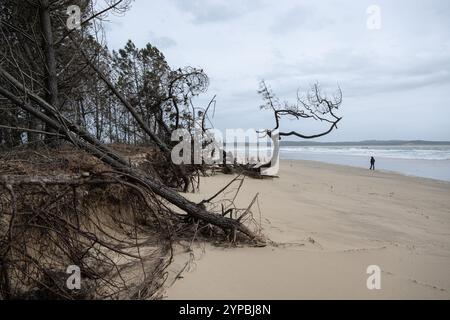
{"type": "Point", "coordinates": [328, 223]}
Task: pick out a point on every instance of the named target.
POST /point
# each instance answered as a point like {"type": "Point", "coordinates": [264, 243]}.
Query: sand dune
{"type": "Point", "coordinates": [328, 224]}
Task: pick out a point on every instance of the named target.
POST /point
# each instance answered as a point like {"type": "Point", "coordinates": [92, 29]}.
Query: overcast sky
{"type": "Point", "coordinates": [395, 80]}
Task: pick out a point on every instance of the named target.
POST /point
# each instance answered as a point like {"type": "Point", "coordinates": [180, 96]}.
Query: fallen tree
{"type": "Point", "coordinates": [107, 222]}
{"type": "Point", "coordinates": [107, 227]}
{"type": "Point", "coordinates": [99, 221]}
{"type": "Point", "coordinates": [85, 141]}
{"type": "Point", "coordinates": [47, 86]}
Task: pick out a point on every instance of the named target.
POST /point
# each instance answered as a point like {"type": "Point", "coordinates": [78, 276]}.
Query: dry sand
{"type": "Point", "coordinates": [330, 223]}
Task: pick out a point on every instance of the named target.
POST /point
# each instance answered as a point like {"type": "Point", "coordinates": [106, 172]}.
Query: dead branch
{"type": "Point", "coordinates": [314, 106]}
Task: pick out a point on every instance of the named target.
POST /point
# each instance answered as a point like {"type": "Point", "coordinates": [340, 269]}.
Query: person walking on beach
{"type": "Point", "coordinates": [372, 163]}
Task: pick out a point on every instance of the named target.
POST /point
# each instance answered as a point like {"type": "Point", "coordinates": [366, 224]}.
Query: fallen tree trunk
{"type": "Point", "coordinates": [85, 141]}
{"type": "Point", "coordinates": [49, 109]}
{"type": "Point", "coordinates": [159, 143]}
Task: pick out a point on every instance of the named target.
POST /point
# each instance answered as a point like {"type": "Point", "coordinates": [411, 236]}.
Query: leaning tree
{"type": "Point", "coordinates": [312, 105]}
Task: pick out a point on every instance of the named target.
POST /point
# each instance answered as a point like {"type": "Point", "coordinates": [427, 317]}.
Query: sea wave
{"type": "Point", "coordinates": [403, 152]}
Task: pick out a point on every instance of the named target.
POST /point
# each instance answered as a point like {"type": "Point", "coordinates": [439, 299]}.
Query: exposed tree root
{"type": "Point", "coordinates": [110, 224]}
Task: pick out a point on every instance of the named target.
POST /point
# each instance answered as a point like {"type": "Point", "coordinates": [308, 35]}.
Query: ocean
{"type": "Point", "coordinates": [421, 161]}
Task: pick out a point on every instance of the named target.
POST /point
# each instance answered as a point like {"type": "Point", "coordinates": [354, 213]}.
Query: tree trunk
{"type": "Point", "coordinates": [51, 78]}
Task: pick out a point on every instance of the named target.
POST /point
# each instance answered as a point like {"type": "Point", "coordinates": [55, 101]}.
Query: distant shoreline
{"type": "Point", "coordinates": [368, 143]}
{"type": "Point", "coordinates": [438, 170]}
{"type": "Point", "coordinates": [390, 172]}
{"type": "Point", "coordinates": [354, 143]}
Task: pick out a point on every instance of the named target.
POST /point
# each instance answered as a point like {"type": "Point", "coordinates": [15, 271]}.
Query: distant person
{"type": "Point", "coordinates": [372, 163]}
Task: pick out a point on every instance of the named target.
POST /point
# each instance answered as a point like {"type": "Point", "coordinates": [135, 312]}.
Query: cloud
{"type": "Point", "coordinates": [291, 43]}
{"type": "Point", "coordinates": [300, 16]}
{"type": "Point", "coordinates": [162, 43]}
{"type": "Point", "coordinates": [213, 11]}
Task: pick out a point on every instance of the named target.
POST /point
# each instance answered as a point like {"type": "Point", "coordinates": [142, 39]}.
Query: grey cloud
{"type": "Point", "coordinates": [361, 74]}
{"type": "Point", "coordinates": [300, 16]}
{"type": "Point", "coordinates": [293, 43]}
{"type": "Point", "coordinates": [162, 42]}
{"type": "Point", "coordinates": [211, 11]}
